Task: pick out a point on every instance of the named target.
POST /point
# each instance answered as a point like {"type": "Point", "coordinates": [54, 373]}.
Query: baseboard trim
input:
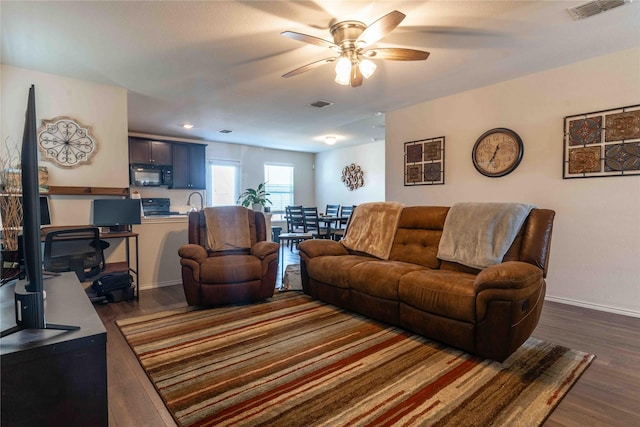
{"type": "Point", "coordinates": [592, 306]}
{"type": "Point", "coordinates": [159, 285]}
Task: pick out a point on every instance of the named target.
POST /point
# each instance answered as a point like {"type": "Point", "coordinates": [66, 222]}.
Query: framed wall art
{"type": "Point", "coordinates": [602, 143]}
{"type": "Point", "coordinates": [424, 162]}
{"type": "Point", "coordinates": [66, 142]}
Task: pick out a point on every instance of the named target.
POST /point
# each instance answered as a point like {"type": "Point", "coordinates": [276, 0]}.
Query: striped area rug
{"type": "Point", "coordinates": [295, 361]}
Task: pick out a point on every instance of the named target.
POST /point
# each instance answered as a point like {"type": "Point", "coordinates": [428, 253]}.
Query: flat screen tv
{"type": "Point", "coordinates": [29, 293]}
{"type": "Point", "coordinates": [117, 214]}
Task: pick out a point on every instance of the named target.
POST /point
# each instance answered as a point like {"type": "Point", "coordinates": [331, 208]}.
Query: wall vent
{"type": "Point", "coordinates": [591, 8]}
{"type": "Point", "coordinates": [321, 103]}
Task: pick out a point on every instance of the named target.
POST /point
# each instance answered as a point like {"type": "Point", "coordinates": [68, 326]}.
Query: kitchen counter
{"type": "Point", "coordinates": [159, 219]}
{"type": "Point", "coordinates": [160, 237]}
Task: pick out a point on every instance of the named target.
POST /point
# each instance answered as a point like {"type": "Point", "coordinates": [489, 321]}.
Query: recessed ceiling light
{"type": "Point", "coordinates": [187, 125]}
{"type": "Point", "coordinates": [330, 139]}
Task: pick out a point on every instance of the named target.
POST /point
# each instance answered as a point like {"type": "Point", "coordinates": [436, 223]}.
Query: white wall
{"type": "Point", "coordinates": [595, 251]}
{"type": "Point", "coordinates": [328, 168]}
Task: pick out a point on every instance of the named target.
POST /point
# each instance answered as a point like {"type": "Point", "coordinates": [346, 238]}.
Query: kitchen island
{"type": "Point", "coordinates": [160, 237]}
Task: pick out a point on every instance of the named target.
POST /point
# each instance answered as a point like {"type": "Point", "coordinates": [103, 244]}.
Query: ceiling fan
{"type": "Point", "coordinates": [351, 40]}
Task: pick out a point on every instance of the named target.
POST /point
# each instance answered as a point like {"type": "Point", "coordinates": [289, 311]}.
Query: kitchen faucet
{"type": "Point", "coordinates": [201, 201]}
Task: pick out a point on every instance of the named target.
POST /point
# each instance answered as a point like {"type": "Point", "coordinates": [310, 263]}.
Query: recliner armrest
{"type": "Point", "coordinates": [263, 249]}
{"type": "Point", "coordinates": [194, 252]}
{"type": "Point", "coordinates": [508, 275]}
{"type": "Point", "coordinates": [320, 247]}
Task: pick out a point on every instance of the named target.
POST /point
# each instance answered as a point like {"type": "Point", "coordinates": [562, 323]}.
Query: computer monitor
{"type": "Point", "coordinates": [45, 215]}
{"type": "Point", "coordinates": [117, 214]}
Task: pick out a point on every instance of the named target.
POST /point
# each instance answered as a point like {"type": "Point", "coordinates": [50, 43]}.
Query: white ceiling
{"type": "Point", "coordinates": [218, 64]}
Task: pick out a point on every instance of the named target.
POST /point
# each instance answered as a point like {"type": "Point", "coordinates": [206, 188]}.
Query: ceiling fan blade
{"type": "Point", "coordinates": [305, 38]}
{"type": "Point", "coordinates": [356, 76]}
{"type": "Point", "coordinates": [380, 28]}
{"type": "Point", "coordinates": [397, 54]}
{"type": "Point", "coordinates": [309, 67]}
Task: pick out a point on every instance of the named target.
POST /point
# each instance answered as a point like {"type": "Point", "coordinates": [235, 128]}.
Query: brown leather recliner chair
{"type": "Point", "coordinates": [228, 276]}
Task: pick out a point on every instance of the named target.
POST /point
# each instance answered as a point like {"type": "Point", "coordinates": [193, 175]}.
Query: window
{"type": "Point", "coordinates": [279, 179]}
{"type": "Point", "coordinates": [224, 182]}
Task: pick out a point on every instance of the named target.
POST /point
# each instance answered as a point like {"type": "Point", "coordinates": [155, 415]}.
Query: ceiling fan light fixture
{"type": "Point", "coordinates": [343, 71]}
{"type": "Point", "coordinates": [367, 68]}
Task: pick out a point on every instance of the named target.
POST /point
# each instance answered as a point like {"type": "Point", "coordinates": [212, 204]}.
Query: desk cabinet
{"type": "Point", "coordinates": [51, 377]}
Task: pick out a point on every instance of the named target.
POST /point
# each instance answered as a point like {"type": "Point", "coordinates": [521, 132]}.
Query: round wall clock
{"type": "Point", "coordinates": [497, 152]}
{"type": "Point", "coordinates": [66, 142]}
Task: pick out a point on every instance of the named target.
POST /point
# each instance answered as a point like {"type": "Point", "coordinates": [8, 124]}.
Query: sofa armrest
{"type": "Point", "coordinates": [508, 275]}
{"type": "Point", "coordinates": [194, 252]}
{"type": "Point", "coordinates": [320, 247]}
{"type": "Point", "coordinates": [263, 249]}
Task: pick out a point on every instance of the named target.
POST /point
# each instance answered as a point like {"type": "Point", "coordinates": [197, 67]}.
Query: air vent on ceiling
{"type": "Point", "coordinates": [321, 103]}
{"type": "Point", "coordinates": [591, 8]}
{"type": "Point", "coordinates": [225, 131]}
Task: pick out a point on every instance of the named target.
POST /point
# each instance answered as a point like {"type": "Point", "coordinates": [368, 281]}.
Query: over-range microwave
{"type": "Point", "coordinates": [144, 175]}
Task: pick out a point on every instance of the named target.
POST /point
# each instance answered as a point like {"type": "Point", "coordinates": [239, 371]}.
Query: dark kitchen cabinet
{"type": "Point", "coordinates": [189, 166]}
{"type": "Point", "coordinates": [148, 151]}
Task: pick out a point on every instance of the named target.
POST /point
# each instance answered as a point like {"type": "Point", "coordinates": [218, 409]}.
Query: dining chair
{"type": "Point", "coordinates": [345, 214]}
{"type": "Point", "coordinates": [295, 222]}
{"type": "Point", "coordinates": [332, 210]}
{"type": "Point", "coordinates": [312, 224]}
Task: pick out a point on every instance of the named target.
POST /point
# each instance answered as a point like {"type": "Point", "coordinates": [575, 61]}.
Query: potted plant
{"type": "Point", "coordinates": [255, 197]}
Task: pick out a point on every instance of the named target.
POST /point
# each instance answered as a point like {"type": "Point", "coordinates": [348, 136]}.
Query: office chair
{"type": "Point", "coordinates": [73, 249]}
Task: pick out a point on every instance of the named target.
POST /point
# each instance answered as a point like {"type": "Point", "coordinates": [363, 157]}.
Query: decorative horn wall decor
{"type": "Point", "coordinates": [353, 177]}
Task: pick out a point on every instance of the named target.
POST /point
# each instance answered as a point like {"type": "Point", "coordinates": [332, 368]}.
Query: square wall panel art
{"type": "Point", "coordinates": [424, 162]}
{"type": "Point", "coordinates": [602, 143]}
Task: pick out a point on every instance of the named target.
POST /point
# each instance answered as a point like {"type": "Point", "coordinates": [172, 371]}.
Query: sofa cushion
{"type": "Point", "coordinates": [418, 235]}
{"type": "Point", "coordinates": [230, 269]}
{"type": "Point", "coordinates": [443, 292]}
{"type": "Point", "coordinates": [334, 270]}
{"type": "Point", "coordinates": [380, 278]}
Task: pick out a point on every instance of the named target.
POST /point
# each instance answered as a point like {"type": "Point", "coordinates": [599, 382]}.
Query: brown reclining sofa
{"type": "Point", "coordinates": [488, 312]}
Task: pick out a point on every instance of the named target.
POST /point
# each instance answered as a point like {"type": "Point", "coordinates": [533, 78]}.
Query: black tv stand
{"type": "Point", "coordinates": [54, 377]}
{"type": "Point", "coordinates": [47, 326]}
{"type": "Point", "coordinates": [29, 310]}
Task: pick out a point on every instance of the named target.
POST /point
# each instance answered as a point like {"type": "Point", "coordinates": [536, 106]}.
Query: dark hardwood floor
{"type": "Point", "coordinates": [608, 393]}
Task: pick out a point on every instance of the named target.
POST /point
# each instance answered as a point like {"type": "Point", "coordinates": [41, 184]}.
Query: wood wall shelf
{"type": "Point", "coordinates": [87, 191]}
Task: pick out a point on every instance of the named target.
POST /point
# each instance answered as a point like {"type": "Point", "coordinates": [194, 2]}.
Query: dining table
{"type": "Point", "coordinates": [330, 220]}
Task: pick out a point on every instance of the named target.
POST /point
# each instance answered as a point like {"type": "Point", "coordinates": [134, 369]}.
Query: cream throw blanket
{"type": "Point", "coordinates": [227, 228]}
{"type": "Point", "coordinates": [479, 234]}
{"type": "Point", "coordinates": [372, 228]}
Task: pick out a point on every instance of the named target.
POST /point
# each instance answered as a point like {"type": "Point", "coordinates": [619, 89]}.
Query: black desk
{"type": "Point", "coordinates": [51, 377]}
{"type": "Point", "coordinates": [126, 235]}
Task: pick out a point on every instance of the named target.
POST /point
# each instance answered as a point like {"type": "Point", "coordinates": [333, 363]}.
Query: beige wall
{"type": "Point", "coordinates": [595, 253]}
{"type": "Point", "coordinates": [328, 168]}
{"type": "Point", "coordinates": [104, 108]}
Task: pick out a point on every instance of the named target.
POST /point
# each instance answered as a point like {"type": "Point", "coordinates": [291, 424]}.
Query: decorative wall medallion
{"type": "Point", "coordinates": [66, 142]}
{"type": "Point", "coordinates": [353, 177]}
{"type": "Point", "coordinates": [424, 162]}
{"type": "Point", "coordinates": [602, 143]}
